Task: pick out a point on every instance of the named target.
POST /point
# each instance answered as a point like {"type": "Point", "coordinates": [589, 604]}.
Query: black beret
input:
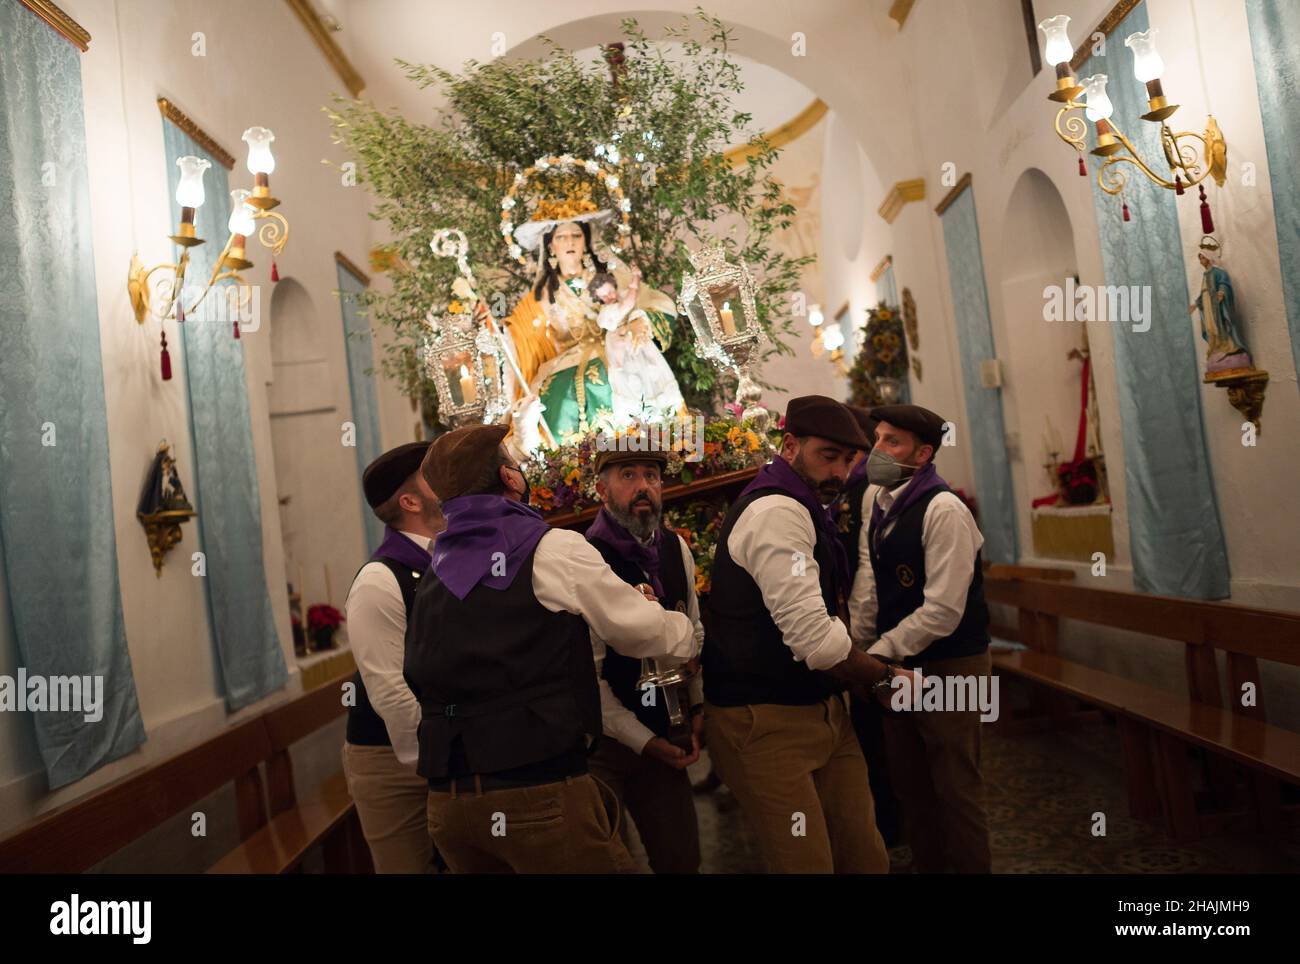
{"type": "Point", "coordinates": [921, 422]}
{"type": "Point", "coordinates": [866, 421]}
{"type": "Point", "coordinates": [613, 456]}
{"type": "Point", "coordinates": [386, 474]}
{"type": "Point", "coordinates": [826, 418]}
{"type": "Point", "coordinates": [458, 460]}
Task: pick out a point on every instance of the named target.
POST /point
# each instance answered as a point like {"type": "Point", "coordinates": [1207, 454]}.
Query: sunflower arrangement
{"type": "Point", "coordinates": [883, 355]}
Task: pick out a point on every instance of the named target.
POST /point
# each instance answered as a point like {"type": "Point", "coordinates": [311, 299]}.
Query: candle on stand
{"type": "Point", "coordinates": [728, 320]}
{"type": "Point", "coordinates": [468, 393]}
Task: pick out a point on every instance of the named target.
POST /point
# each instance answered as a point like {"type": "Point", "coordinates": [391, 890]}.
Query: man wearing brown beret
{"type": "Point", "coordinates": [777, 656]}
{"type": "Point", "coordinates": [499, 655]}
{"type": "Point", "coordinates": [380, 752]}
{"type": "Point", "coordinates": [641, 758]}
{"type": "Point", "coordinates": [918, 599]}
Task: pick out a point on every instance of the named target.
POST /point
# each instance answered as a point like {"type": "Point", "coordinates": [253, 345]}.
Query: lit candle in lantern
{"type": "Point", "coordinates": [467, 390]}
{"type": "Point", "coordinates": [728, 320]}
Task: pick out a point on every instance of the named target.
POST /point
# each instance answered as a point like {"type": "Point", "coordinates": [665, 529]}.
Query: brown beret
{"type": "Point", "coordinates": [826, 418]}
{"type": "Point", "coordinates": [866, 421]}
{"type": "Point", "coordinates": [386, 474]}
{"type": "Point", "coordinates": [921, 422]}
{"type": "Point", "coordinates": [457, 460]}
{"type": "Point", "coordinates": [614, 456]}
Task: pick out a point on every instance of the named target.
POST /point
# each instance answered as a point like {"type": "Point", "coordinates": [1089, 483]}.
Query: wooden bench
{"type": "Point", "coordinates": [1157, 727]}
{"type": "Point", "coordinates": [78, 835]}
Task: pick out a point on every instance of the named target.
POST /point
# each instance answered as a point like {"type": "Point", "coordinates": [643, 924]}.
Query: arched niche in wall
{"type": "Point", "coordinates": [303, 406]}
{"type": "Point", "coordinates": [1042, 381]}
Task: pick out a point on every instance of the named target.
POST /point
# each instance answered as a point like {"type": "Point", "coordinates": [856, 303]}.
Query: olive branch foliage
{"type": "Point", "coordinates": [671, 120]}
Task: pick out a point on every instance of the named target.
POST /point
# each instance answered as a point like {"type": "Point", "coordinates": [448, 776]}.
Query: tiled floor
{"type": "Point", "coordinates": [1043, 791]}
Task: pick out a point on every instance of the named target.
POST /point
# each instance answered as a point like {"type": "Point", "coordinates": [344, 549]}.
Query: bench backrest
{"type": "Point", "coordinates": [79, 834]}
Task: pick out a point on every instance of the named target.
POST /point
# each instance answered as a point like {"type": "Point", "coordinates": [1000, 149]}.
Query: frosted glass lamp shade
{"type": "Point", "coordinates": [259, 141]}
{"type": "Point", "coordinates": [833, 337]}
{"type": "Point", "coordinates": [1147, 63]}
{"type": "Point", "coordinates": [241, 215]}
{"type": "Point", "coordinates": [189, 192]}
{"type": "Point", "coordinates": [1059, 49]}
{"type": "Point", "coordinates": [815, 317]}
{"type": "Point", "coordinates": [1097, 103]}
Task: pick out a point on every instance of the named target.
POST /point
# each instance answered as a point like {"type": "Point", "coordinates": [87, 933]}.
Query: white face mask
{"type": "Point", "coordinates": [884, 469]}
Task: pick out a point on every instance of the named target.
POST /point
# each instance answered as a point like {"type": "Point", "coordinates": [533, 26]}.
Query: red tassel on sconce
{"type": "Point", "coordinates": [236, 327]}
{"type": "Point", "coordinates": [1178, 185]}
{"type": "Point", "coordinates": [1083, 168]}
{"type": "Point", "coordinates": [1124, 211]}
{"type": "Point", "coordinates": [275, 272]}
{"type": "Point", "coordinates": [1207, 222]}
{"type": "Point", "coordinates": [166, 360]}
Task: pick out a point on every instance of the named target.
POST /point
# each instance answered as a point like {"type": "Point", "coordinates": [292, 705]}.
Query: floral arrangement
{"type": "Point", "coordinates": [883, 355]}
{"type": "Point", "coordinates": [564, 478]}
{"type": "Point", "coordinates": [700, 524]}
{"type": "Point", "coordinates": [323, 622]}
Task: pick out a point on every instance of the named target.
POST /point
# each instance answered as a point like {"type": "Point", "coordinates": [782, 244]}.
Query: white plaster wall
{"type": "Point", "coordinates": [260, 68]}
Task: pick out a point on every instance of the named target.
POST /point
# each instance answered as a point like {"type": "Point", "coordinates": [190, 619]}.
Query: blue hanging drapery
{"type": "Point", "coordinates": [57, 541]}
{"type": "Point", "coordinates": [983, 429]}
{"type": "Point", "coordinates": [1175, 535]}
{"type": "Point", "coordinates": [365, 405]}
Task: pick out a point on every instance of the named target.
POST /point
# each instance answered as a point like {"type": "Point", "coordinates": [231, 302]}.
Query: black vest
{"type": "Point", "coordinates": [849, 521]}
{"type": "Point", "coordinates": [898, 562]}
{"type": "Point", "coordinates": [505, 685]}
{"type": "Point", "coordinates": [622, 672]}
{"type": "Point", "coordinates": [745, 658]}
{"type": "Point", "coordinates": [365, 726]}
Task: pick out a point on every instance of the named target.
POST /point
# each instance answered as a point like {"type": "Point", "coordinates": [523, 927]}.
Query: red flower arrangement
{"type": "Point", "coordinates": [323, 622]}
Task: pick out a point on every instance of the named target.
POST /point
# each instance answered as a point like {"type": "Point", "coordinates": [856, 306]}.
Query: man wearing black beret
{"type": "Point", "coordinates": [918, 600]}
{"type": "Point", "coordinates": [380, 753]}
{"type": "Point", "coordinates": [777, 656]}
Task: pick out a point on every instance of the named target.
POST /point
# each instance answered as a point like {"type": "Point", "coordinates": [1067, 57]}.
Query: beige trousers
{"type": "Point", "coordinates": [800, 778]}
{"type": "Point", "coordinates": [553, 828]}
{"type": "Point", "coordinates": [390, 799]}
{"type": "Point", "coordinates": [659, 800]}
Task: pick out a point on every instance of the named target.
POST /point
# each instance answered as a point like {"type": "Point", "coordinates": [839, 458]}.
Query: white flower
{"type": "Point", "coordinates": [516, 251]}
{"type": "Point", "coordinates": [611, 182]}
{"type": "Point", "coordinates": [613, 154]}
{"type": "Point", "coordinates": [461, 289]}
{"type": "Point", "coordinates": [542, 164]}
{"type": "Point", "coordinates": [592, 167]}
{"type": "Point", "coordinates": [566, 161]}
{"type": "Point", "coordinates": [519, 179]}
{"type": "Point", "coordinates": [507, 228]}
{"type": "Point", "coordinates": [600, 150]}
{"type": "Point", "coordinates": [507, 203]}
{"type": "Point", "coordinates": [640, 157]}
{"type": "Point", "coordinates": [624, 229]}
{"type": "Point", "coordinates": [625, 205]}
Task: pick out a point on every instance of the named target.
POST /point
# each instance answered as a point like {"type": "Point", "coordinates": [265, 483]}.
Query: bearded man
{"type": "Point", "coordinates": [778, 658]}
{"type": "Point", "coordinates": [636, 757]}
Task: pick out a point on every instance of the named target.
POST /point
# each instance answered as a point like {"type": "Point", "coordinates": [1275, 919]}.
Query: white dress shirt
{"type": "Point", "coordinates": [619, 721]}
{"type": "Point", "coordinates": [951, 541]}
{"type": "Point", "coordinates": [773, 541]}
{"type": "Point", "coordinates": [376, 620]}
{"type": "Point", "coordinates": [569, 575]}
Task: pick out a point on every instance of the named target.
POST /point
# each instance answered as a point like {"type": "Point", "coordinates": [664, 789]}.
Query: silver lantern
{"type": "Point", "coordinates": [719, 300]}
{"type": "Point", "coordinates": [464, 361]}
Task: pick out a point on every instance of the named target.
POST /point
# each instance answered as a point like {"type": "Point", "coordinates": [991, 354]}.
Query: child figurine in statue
{"type": "Point", "coordinates": [1226, 349]}
{"type": "Point", "coordinates": [641, 382]}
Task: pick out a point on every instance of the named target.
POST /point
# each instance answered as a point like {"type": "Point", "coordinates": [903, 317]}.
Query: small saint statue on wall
{"type": "Point", "coordinates": [1225, 347]}
{"type": "Point", "coordinates": [1227, 361]}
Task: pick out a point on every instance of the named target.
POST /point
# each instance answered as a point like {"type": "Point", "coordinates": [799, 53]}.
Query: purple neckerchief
{"type": "Point", "coordinates": [859, 470]}
{"type": "Point", "coordinates": [778, 474]}
{"type": "Point", "coordinates": [920, 483]}
{"type": "Point", "coordinates": [483, 532]}
{"type": "Point", "coordinates": [608, 530]}
{"type": "Point", "coordinates": [402, 548]}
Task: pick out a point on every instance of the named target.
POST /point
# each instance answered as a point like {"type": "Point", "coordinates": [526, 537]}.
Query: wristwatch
{"type": "Point", "coordinates": [885, 682]}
